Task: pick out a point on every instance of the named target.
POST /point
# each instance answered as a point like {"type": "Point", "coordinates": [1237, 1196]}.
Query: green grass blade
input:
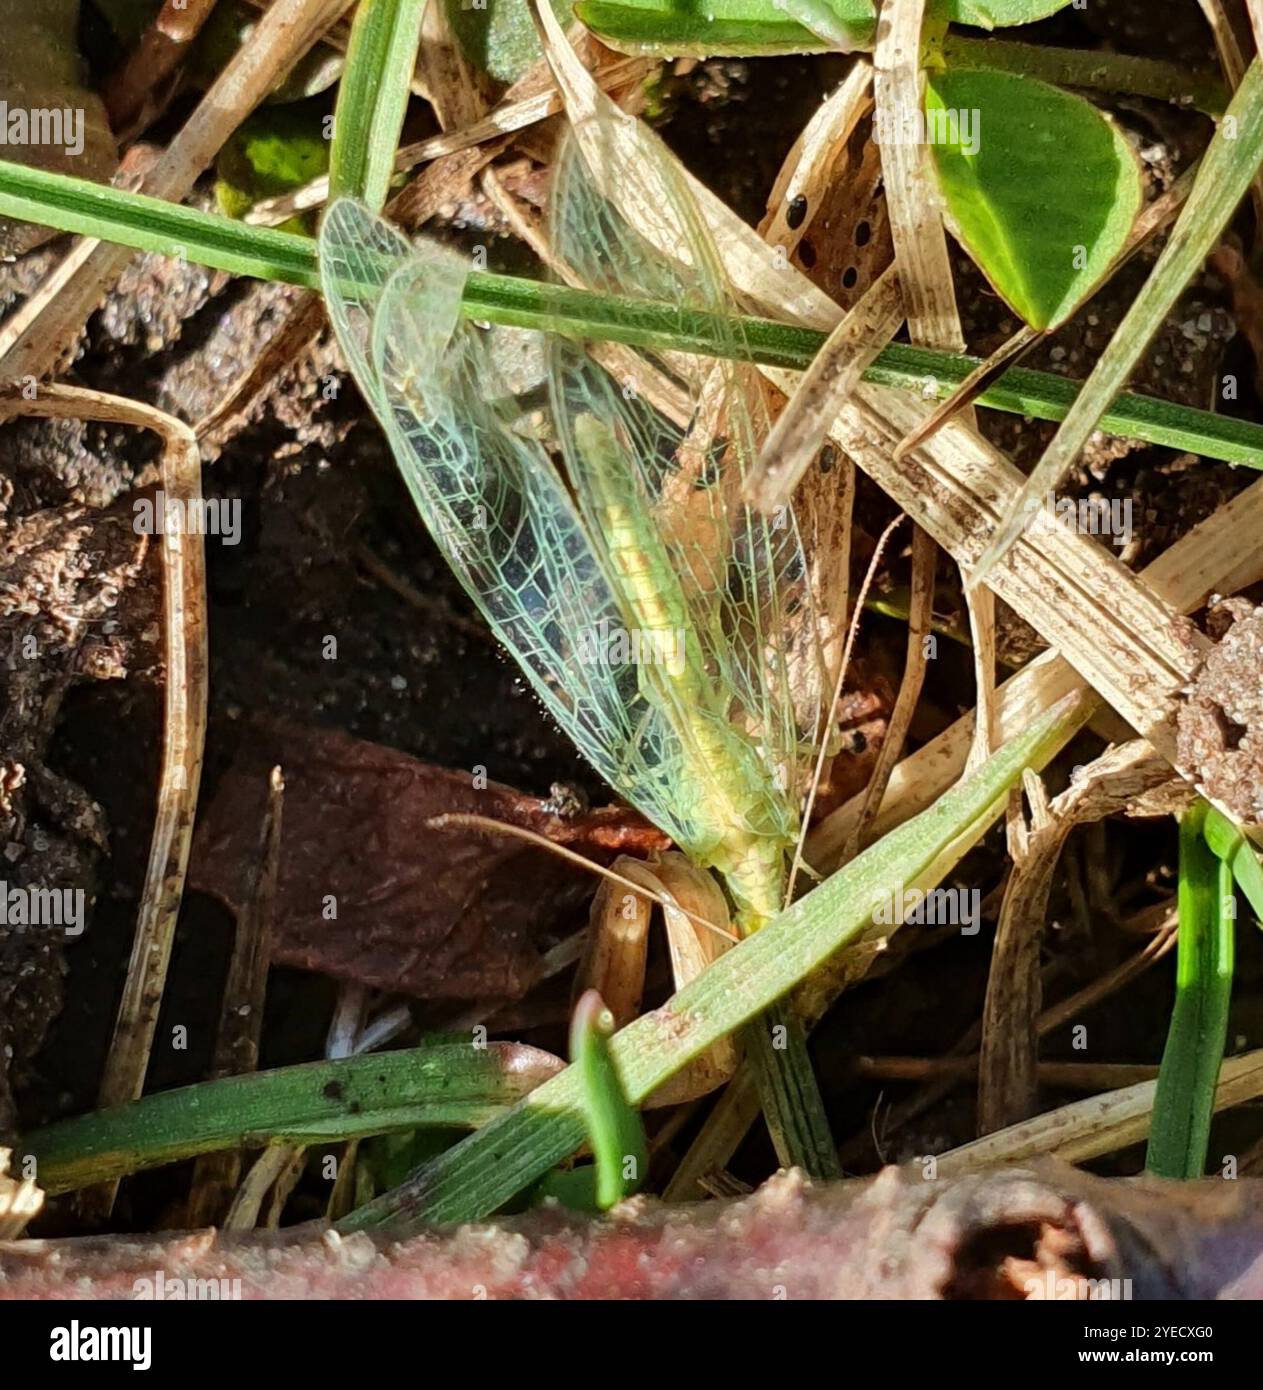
{"type": "Point", "coordinates": [1229, 164]}
{"type": "Point", "coordinates": [1092, 70]}
{"type": "Point", "coordinates": [1230, 845]}
{"type": "Point", "coordinates": [484, 1171]}
{"type": "Point", "coordinates": [372, 97]}
{"type": "Point", "coordinates": [615, 1130]}
{"type": "Point", "coordinates": [151, 224]}
{"type": "Point", "coordinates": [1185, 1097]}
{"type": "Point", "coordinates": [445, 1086]}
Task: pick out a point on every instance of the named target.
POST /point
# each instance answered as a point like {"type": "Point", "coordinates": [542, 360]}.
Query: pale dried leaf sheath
{"type": "Point", "coordinates": [34, 338]}
{"type": "Point", "coordinates": [912, 196]}
{"type": "Point", "coordinates": [916, 222]}
{"type": "Point", "coordinates": [803, 180]}
{"type": "Point", "coordinates": [1008, 1052]}
{"type": "Point", "coordinates": [1233, 62]}
{"type": "Point", "coordinates": [1220, 554]}
{"type": "Point", "coordinates": [616, 946]}
{"type": "Point", "coordinates": [823, 388]}
{"type": "Point", "coordinates": [1099, 1125]}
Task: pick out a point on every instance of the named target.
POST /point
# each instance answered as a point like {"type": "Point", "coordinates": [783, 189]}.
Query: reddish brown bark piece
{"type": "Point", "coordinates": [1045, 1231]}
{"type": "Point", "coordinates": [439, 914]}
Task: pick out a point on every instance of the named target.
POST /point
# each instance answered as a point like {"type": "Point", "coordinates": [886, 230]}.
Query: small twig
{"type": "Point", "coordinates": [499, 827]}
{"type": "Point", "coordinates": [920, 613]}
{"type": "Point", "coordinates": [163, 46]}
{"type": "Point", "coordinates": [241, 1015]}
{"type": "Point", "coordinates": [1078, 1076]}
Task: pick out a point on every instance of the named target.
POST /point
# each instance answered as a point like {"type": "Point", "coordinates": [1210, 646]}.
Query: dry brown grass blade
{"type": "Point", "coordinates": [916, 222]}
{"type": "Point", "coordinates": [1009, 1046]}
{"type": "Point", "coordinates": [1071, 1076]}
{"type": "Point", "coordinates": [298, 330]}
{"type": "Point", "coordinates": [912, 195]}
{"type": "Point", "coordinates": [34, 338]}
{"type": "Point", "coordinates": [1220, 554]}
{"type": "Point", "coordinates": [799, 190]}
{"type": "Point", "coordinates": [338, 35]}
{"type": "Point", "coordinates": [1100, 1125]}
{"type": "Point", "coordinates": [823, 388]}
{"type": "Point", "coordinates": [268, 1169]}
{"type": "Point", "coordinates": [1128, 643]}
{"type": "Point", "coordinates": [832, 703]}
{"type": "Point", "coordinates": [184, 731]}
{"type": "Point", "coordinates": [215, 1175]}
{"type": "Point", "coordinates": [823, 507]}
{"type": "Point", "coordinates": [1006, 355]}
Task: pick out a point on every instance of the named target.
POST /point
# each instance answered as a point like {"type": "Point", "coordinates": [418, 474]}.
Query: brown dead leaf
{"type": "Point", "coordinates": [369, 892]}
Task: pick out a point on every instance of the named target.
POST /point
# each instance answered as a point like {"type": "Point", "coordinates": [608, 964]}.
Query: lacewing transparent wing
{"type": "Point", "coordinates": [743, 575]}
{"type": "Point", "coordinates": [492, 499]}
{"type": "Point", "coordinates": [655, 453]}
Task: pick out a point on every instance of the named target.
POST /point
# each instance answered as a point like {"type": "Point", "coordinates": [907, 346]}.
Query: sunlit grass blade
{"type": "Point", "coordinates": [151, 224]}
{"type": "Point", "coordinates": [1222, 180]}
{"type": "Point", "coordinates": [444, 1086]}
{"type": "Point", "coordinates": [1185, 1098]}
{"type": "Point", "coordinates": [372, 97]}
{"type": "Point", "coordinates": [615, 1130]}
{"type": "Point", "coordinates": [483, 1172]}
{"type": "Point", "coordinates": [1232, 847]}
